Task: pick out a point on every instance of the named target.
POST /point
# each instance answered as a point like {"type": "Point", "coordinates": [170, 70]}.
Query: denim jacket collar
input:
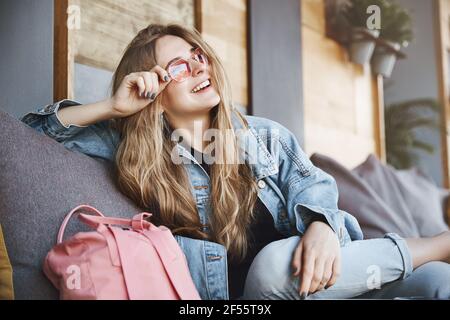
{"type": "Point", "coordinates": [261, 162]}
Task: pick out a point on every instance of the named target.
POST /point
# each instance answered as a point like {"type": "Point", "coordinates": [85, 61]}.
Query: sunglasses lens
{"type": "Point", "coordinates": [180, 70]}
{"type": "Point", "coordinates": [199, 56]}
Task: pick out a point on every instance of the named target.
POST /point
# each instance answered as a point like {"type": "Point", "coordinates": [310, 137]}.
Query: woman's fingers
{"type": "Point", "coordinates": [297, 260]}
{"type": "Point", "coordinates": [327, 273]}
{"type": "Point", "coordinates": [148, 84]}
{"type": "Point", "coordinates": [319, 267]}
{"type": "Point", "coordinates": [135, 80]}
{"type": "Point", "coordinates": [336, 272]}
{"type": "Point", "coordinates": [163, 78]}
{"type": "Point", "coordinates": [163, 75]}
{"type": "Point", "coordinates": [307, 273]}
{"type": "Point", "coordinates": [141, 85]}
{"type": "Point", "coordinates": [155, 84]}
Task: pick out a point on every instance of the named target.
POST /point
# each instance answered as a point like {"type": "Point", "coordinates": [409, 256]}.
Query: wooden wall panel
{"type": "Point", "coordinates": [224, 27]}
{"type": "Point", "coordinates": [340, 98]}
{"type": "Point", "coordinates": [61, 56]}
{"type": "Point", "coordinates": [442, 11]}
{"type": "Point", "coordinates": [107, 26]}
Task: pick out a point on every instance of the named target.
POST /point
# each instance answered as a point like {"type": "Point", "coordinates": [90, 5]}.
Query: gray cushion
{"type": "Point", "coordinates": [40, 182]}
{"type": "Point", "coordinates": [409, 193]}
{"type": "Point", "coordinates": [357, 197]}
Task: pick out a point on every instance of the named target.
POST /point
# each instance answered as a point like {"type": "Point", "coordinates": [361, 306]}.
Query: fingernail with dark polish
{"type": "Point", "coordinates": [303, 296]}
{"type": "Point", "coordinates": [166, 78]}
{"type": "Point", "coordinates": [148, 95]}
{"type": "Point", "coordinates": [153, 96]}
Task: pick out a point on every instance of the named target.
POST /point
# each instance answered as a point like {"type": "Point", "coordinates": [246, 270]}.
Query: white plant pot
{"type": "Point", "coordinates": [384, 60]}
{"type": "Point", "coordinates": [361, 48]}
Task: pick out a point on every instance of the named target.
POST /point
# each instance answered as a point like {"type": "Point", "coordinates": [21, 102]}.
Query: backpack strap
{"type": "Point", "coordinates": [84, 208]}
{"type": "Point", "coordinates": [166, 246]}
{"type": "Point", "coordinates": [95, 218]}
{"type": "Point", "coordinates": [138, 222]}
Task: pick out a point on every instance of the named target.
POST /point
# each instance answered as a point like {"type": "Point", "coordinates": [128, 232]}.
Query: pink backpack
{"type": "Point", "coordinates": [135, 261]}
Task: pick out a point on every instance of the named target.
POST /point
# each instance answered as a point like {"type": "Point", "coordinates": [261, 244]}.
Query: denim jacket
{"type": "Point", "coordinates": [294, 191]}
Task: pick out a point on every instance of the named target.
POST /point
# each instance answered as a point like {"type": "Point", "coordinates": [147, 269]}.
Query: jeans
{"type": "Point", "coordinates": [371, 269]}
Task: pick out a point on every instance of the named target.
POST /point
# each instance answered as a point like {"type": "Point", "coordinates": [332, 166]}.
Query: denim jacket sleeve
{"type": "Point", "coordinates": [311, 194]}
{"type": "Point", "coordinates": [98, 140]}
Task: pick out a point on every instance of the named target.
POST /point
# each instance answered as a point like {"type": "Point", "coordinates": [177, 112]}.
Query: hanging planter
{"type": "Point", "coordinates": [349, 26]}
{"type": "Point", "coordinates": [396, 32]}
{"type": "Point", "coordinates": [385, 57]}
{"type": "Point", "coordinates": [362, 44]}
{"type": "Point", "coordinates": [350, 18]}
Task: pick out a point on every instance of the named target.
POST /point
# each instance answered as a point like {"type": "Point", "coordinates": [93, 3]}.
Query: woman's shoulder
{"type": "Point", "coordinates": [265, 126]}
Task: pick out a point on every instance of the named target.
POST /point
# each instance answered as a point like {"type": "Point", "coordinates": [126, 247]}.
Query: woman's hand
{"type": "Point", "coordinates": [137, 90]}
{"type": "Point", "coordinates": [316, 260]}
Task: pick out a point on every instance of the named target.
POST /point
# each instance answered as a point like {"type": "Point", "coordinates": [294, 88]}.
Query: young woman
{"type": "Point", "coordinates": [254, 217]}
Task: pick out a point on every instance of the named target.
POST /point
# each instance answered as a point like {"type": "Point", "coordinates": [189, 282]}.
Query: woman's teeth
{"type": "Point", "coordinates": [201, 86]}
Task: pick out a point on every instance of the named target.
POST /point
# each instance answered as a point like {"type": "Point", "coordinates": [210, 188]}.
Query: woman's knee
{"type": "Point", "coordinates": [271, 271]}
{"type": "Point", "coordinates": [431, 280]}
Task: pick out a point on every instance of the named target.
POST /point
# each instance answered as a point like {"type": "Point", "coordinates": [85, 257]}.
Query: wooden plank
{"type": "Point", "coordinates": [345, 147]}
{"type": "Point", "coordinates": [380, 137]}
{"type": "Point", "coordinates": [442, 11]}
{"type": "Point", "coordinates": [60, 51]}
{"type": "Point", "coordinates": [314, 15]}
{"type": "Point", "coordinates": [342, 102]}
{"type": "Point", "coordinates": [198, 9]}
{"type": "Point", "coordinates": [107, 26]}
{"type": "Point", "coordinates": [224, 27]}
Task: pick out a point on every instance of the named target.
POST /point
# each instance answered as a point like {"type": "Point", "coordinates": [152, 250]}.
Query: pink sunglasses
{"type": "Point", "coordinates": [181, 69]}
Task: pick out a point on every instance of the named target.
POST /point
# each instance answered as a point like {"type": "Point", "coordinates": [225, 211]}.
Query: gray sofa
{"type": "Point", "coordinates": [41, 181]}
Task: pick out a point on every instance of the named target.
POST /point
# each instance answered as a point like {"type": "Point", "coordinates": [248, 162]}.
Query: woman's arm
{"type": "Point", "coordinates": [86, 128]}
{"type": "Point", "coordinates": [86, 115]}
{"type": "Point", "coordinates": [98, 140]}
{"type": "Point", "coordinates": [136, 91]}
{"type": "Point", "coordinates": [312, 203]}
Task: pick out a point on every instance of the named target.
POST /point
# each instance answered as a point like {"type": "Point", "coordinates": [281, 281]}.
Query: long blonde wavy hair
{"type": "Point", "coordinates": [148, 176]}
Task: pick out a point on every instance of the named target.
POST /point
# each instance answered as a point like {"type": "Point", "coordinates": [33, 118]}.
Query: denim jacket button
{"type": "Point", "coordinates": [261, 184]}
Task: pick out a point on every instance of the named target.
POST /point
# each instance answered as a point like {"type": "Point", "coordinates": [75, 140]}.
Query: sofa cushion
{"type": "Point", "coordinates": [6, 284]}
{"type": "Point", "coordinates": [409, 192]}
{"type": "Point", "coordinates": [40, 182]}
{"type": "Point", "coordinates": [358, 198]}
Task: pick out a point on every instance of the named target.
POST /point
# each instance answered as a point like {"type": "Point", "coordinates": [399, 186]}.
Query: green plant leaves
{"type": "Point", "coordinates": [396, 22]}
{"type": "Point", "coordinates": [401, 120]}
